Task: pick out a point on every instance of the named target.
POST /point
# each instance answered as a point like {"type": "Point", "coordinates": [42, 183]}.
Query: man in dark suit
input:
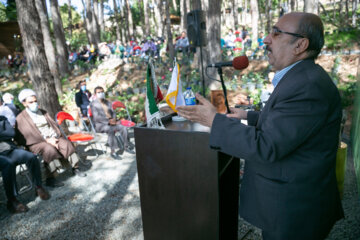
{"type": "Point", "coordinates": [289, 186]}
{"type": "Point", "coordinates": [82, 98]}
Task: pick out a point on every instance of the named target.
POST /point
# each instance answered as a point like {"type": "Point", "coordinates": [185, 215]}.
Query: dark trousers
{"type": "Point", "coordinates": [8, 162]}
{"type": "Point", "coordinates": [7, 169]}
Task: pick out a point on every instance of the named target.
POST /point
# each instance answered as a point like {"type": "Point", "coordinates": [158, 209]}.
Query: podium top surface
{"type": "Point", "coordinates": [184, 126]}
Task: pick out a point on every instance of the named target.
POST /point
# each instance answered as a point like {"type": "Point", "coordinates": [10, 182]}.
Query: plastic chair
{"type": "Point", "coordinates": [127, 123]}
{"type": "Point", "coordinates": [78, 137]}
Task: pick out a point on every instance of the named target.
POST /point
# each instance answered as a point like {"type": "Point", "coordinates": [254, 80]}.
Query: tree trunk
{"type": "Point", "coordinates": [311, 6]}
{"type": "Point", "coordinates": [86, 23]}
{"type": "Point", "coordinates": [101, 17]}
{"type": "Point", "coordinates": [89, 22]}
{"type": "Point", "coordinates": [268, 15]}
{"type": "Point", "coordinates": [235, 5]}
{"type": "Point", "coordinates": [95, 22]}
{"type": "Point", "coordinates": [183, 11]}
{"type": "Point", "coordinates": [169, 34]}
{"type": "Point", "coordinates": [123, 28]}
{"type": "Point", "coordinates": [70, 18]}
{"type": "Point", "coordinates": [245, 11]}
{"type": "Point", "coordinates": [354, 18]}
{"type": "Point", "coordinates": [50, 51]}
{"type": "Point", "coordinates": [129, 19]}
{"type": "Point", "coordinates": [174, 5]}
{"type": "Point", "coordinates": [146, 17]}
{"type": "Point", "coordinates": [40, 75]}
{"type": "Point", "coordinates": [254, 10]}
{"type": "Point", "coordinates": [116, 13]}
{"type": "Point", "coordinates": [213, 27]}
{"type": "Point", "coordinates": [61, 48]}
{"type": "Point", "coordinates": [292, 5]}
{"type": "Point", "coordinates": [159, 18]}
{"type": "Point", "coordinates": [341, 17]}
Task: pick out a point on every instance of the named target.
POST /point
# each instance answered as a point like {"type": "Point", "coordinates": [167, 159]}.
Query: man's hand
{"type": "Point", "coordinates": [112, 121]}
{"type": "Point", "coordinates": [203, 113]}
{"type": "Point", "coordinates": [53, 141]}
{"type": "Point", "coordinates": [237, 113]}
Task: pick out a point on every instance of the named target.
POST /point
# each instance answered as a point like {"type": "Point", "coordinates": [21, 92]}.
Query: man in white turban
{"type": "Point", "coordinates": [43, 136]}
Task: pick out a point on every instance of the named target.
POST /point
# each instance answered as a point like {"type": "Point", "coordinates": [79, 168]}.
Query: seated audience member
{"type": "Point", "coordinates": [230, 39]}
{"type": "Point", "coordinates": [42, 136]}
{"type": "Point", "coordinates": [104, 119]}
{"type": "Point", "coordinates": [9, 109]}
{"type": "Point", "coordinates": [238, 40]}
{"type": "Point", "coordinates": [10, 157]}
{"type": "Point", "coordinates": [10, 61]}
{"type": "Point", "coordinates": [73, 56]}
{"type": "Point", "coordinates": [82, 98]}
{"type": "Point", "coordinates": [149, 48]}
{"type": "Point", "coordinates": [182, 44]}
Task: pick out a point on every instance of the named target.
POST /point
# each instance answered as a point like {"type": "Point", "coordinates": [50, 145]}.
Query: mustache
{"type": "Point", "coordinates": [268, 48]}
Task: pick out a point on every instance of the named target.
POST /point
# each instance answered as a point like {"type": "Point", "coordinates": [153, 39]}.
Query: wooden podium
{"type": "Point", "coordinates": [187, 190]}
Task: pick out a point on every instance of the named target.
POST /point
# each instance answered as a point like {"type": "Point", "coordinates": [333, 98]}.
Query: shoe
{"type": "Point", "coordinates": [52, 182]}
{"type": "Point", "coordinates": [129, 150]}
{"type": "Point", "coordinates": [115, 156]}
{"type": "Point", "coordinates": [42, 193]}
{"type": "Point", "coordinates": [15, 206]}
{"type": "Point", "coordinates": [131, 145]}
{"type": "Point", "coordinates": [78, 173]}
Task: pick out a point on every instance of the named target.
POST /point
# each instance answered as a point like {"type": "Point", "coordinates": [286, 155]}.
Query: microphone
{"type": "Point", "coordinates": [239, 63]}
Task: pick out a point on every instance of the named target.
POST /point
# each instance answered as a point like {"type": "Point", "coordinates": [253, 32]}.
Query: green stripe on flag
{"type": "Point", "coordinates": [149, 92]}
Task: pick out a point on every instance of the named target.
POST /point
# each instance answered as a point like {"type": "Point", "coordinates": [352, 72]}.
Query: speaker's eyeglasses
{"type": "Point", "coordinates": [276, 32]}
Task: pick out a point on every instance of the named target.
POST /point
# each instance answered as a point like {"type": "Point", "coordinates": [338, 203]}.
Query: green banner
{"type": "Point", "coordinates": [356, 132]}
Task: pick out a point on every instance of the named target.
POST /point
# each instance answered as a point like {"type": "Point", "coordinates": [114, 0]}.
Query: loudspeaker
{"type": "Point", "coordinates": [196, 28]}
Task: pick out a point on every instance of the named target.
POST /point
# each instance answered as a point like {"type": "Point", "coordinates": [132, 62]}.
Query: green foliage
{"type": "Point", "coordinates": [347, 92]}
{"type": "Point", "coordinates": [342, 39]}
{"type": "Point", "coordinates": [64, 13]}
{"type": "Point", "coordinates": [3, 17]}
{"type": "Point", "coordinates": [78, 39]}
{"type": "Point", "coordinates": [67, 98]}
{"type": "Point", "coordinates": [137, 11]}
{"type": "Point", "coordinates": [134, 107]}
{"type": "Point", "coordinates": [11, 13]}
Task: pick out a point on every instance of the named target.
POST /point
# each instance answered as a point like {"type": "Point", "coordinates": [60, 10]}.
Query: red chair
{"type": "Point", "coordinates": [127, 123]}
{"type": "Point", "coordinates": [78, 137]}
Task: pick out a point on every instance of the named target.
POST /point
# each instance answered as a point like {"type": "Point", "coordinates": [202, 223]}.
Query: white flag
{"type": "Point", "coordinates": [174, 96]}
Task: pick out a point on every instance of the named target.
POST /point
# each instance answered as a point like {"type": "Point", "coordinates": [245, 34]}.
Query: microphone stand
{"type": "Point", "coordinates": [224, 89]}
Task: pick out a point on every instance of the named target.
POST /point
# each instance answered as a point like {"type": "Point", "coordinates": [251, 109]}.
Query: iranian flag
{"type": "Point", "coordinates": [153, 97]}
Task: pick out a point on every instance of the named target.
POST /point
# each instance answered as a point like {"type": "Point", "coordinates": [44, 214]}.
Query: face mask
{"type": "Point", "coordinates": [9, 101]}
{"type": "Point", "coordinates": [83, 88]}
{"type": "Point", "coordinates": [34, 107]}
{"type": "Point", "coordinates": [100, 95]}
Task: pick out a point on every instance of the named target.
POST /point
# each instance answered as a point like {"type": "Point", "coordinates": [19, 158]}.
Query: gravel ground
{"type": "Point", "coordinates": [106, 205]}
{"type": "Point", "coordinates": [103, 205]}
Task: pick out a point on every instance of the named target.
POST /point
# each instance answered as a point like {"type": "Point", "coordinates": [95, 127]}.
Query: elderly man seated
{"type": "Point", "coordinates": [105, 121]}
{"type": "Point", "coordinates": [8, 108]}
{"type": "Point", "coordinates": [182, 44]}
{"type": "Point", "coordinates": [43, 137]}
{"type": "Point", "coordinates": [10, 157]}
